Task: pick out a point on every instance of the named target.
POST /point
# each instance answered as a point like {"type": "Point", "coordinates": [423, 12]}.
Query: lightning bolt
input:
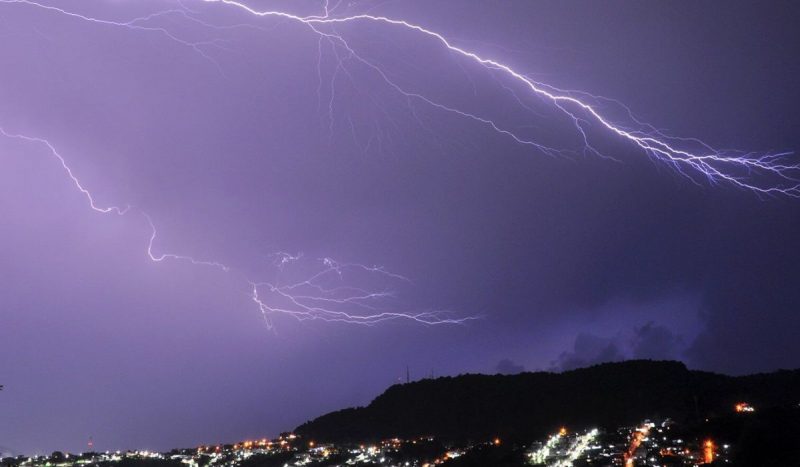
{"type": "Point", "coordinates": [768, 174]}
{"type": "Point", "coordinates": [312, 298]}
{"type": "Point", "coordinates": [309, 299]}
{"type": "Point", "coordinates": [92, 204]}
{"type": "Point", "coordinates": [317, 298]}
{"type": "Point", "coordinates": [714, 165]}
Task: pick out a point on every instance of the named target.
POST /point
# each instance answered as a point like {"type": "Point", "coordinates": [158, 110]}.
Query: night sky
{"type": "Point", "coordinates": [242, 137]}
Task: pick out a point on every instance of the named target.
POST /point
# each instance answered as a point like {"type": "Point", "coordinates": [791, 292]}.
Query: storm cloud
{"type": "Point", "coordinates": [565, 261]}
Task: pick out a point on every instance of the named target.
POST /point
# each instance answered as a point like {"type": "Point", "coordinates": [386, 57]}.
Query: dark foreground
{"type": "Point", "coordinates": [740, 438]}
{"type": "Point", "coordinates": [623, 414]}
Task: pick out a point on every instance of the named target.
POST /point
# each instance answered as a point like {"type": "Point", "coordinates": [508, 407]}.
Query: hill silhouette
{"type": "Point", "coordinates": [529, 405]}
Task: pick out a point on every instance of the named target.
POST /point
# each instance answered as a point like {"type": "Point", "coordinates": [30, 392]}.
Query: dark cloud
{"type": "Point", "coordinates": [652, 341]}
{"type": "Point", "coordinates": [588, 350]}
{"type": "Point", "coordinates": [656, 342]}
{"type": "Point", "coordinates": [508, 367]}
{"type": "Point", "coordinates": [751, 323]}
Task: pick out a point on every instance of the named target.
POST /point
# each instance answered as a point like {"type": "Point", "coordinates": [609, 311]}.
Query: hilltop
{"type": "Point", "coordinates": [529, 405]}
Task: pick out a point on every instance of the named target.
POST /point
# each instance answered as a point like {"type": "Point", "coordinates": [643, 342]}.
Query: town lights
{"type": "Point", "coordinates": [742, 407]}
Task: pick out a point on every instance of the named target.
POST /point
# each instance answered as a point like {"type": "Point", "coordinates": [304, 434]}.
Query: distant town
{"type": "Point", "coordinates": [650, 443]}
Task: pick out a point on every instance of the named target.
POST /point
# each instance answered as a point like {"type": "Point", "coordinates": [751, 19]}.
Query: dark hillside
{"type": "Point", "coordinates": [528, 405]}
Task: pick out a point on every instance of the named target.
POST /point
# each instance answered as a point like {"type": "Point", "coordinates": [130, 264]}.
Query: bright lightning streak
{"type": "Point", "coordinates": [159, 258]}
{"type": "Point", "coordinates": [75, 181]}
{"type": "Point", "coordinates": [309, 299]}
{"type": "Point", "coordinates": [305, 300]}
{"type": "Point", "coordinates": [716, 166]}
{"type": "Point", "coordinates": [134, 24]}
{"type": "Point", "coordinates": [688, 156]}
{"type": "Point", "coordinates": [314, 298]}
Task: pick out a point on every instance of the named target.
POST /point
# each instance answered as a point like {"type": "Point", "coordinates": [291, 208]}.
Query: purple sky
{"type": "Point", "coordinates": [257, 143]}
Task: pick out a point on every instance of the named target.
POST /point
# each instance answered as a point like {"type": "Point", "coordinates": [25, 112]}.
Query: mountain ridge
{"type": "Point", "coordinates": [531, 404]}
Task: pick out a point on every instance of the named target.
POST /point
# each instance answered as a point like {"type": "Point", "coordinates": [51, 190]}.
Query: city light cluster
{"type": "Point", "coordinates": [649, 444]}
{"type": "Point", "coordinates": [742, 407]}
